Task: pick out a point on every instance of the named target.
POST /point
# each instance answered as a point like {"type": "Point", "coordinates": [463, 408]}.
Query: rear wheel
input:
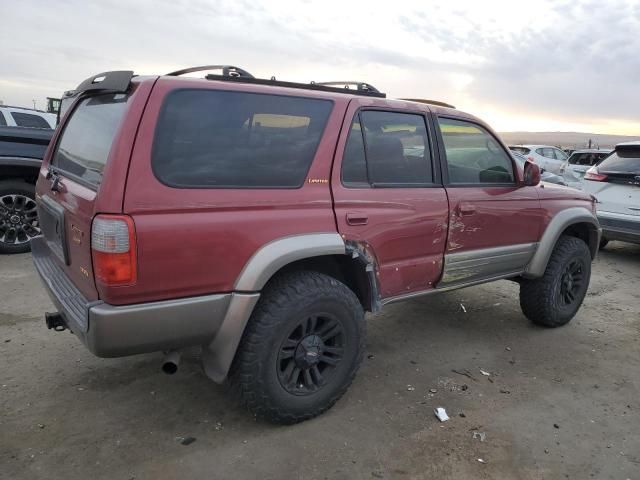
{"type": "Point", "coordinates": [554, 299]}
{"type": "Point", "coordinates": [301, 348]}
{"type": "Point", "coordinates": [18, 216]}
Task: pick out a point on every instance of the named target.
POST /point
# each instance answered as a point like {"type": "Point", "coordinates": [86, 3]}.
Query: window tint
{"type": "Point", "coordinates": [29, 120]}
{"type": "Point", "coordinates": [473, 155]}
{"type": "Point", "coordinates": [86, 140]}
{"type": "Point", "coordinates": [626, 160]}
{"type": "Point", "coordinates": [3, 122]}
{"type": "Point", "coordinates": [210, 138]}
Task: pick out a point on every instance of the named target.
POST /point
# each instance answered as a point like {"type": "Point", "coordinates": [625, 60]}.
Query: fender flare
{"type": "Point", "coordinates": [276, 254]}
{"type": "Point", "coordinates": [559, 223]}
{"type": "Point", "coordinates": [218, 355]}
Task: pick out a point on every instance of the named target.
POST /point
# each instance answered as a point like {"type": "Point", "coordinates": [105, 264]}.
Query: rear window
{"type": "Point", "coordinates": [223, 139]}
{"type": "Point", "coordinates": [29, 120]}
{"type": "Point", "coordinates": [625, 160]}
{"type": "Point", "coordinates": [83, 150]}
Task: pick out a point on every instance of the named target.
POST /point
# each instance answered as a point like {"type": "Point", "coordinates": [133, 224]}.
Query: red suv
{"type": "Point", "coordinates": [261, 219]}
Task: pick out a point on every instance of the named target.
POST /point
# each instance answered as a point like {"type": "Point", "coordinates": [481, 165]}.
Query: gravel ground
{"type": "Point", "coordinates": [561, 403]}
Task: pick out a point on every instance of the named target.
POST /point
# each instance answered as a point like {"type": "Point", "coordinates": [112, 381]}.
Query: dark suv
{"type": "Point", "coordinates": [261, 219]}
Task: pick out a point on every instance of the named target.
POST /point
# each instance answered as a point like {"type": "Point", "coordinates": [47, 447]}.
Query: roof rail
{"type": "Point", "coordinates": [227, 71]}
{"type": "Point", "coordinates": [369, 91]}
{"type": "Point", "coordinates": [428, 102]}
{"type": "Point", "coordinates": [360, 86]}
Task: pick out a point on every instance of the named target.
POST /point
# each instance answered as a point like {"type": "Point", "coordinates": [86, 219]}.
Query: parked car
{"type": "Point", "coordinates": [615, 182]}
{"type": "Point", "coordinates": [544, 175]}
{"type": "Point", "coordinates": [547, 157]}
{"type": "Point", "coordinates": [26, 117]}
{"type": "Point", "coordinates": [582, 160]}
{"type": "Point", "coordinates": [260, 219]}
{"type": "Point", "coordinates": [21, 152]}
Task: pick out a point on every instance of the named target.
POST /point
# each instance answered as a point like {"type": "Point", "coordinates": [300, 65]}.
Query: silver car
{"type": "Point", "coordinates": [615, 182]}
{"type": "Point", "coordinates": [547, 157]}
{"type": "Point", "coordinates": [582, 160]}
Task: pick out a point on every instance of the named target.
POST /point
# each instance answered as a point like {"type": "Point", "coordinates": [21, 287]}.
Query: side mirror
{"type": "Point", "coordinates": [531, 174]}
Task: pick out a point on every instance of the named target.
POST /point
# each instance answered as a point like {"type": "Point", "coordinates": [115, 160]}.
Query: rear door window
{"type": "Point", "coordinates": [224, 139]}
{"type": "Point", "coordinates": [29, 120]}
{"type": "Point", "coordinates": [387, 149]}
{"type": "Point", "coordinates": [3, 122]}
{"type": "Point", "coordinates": [83, 150]}
{"type": "Point", "coordinates": [560, 155]}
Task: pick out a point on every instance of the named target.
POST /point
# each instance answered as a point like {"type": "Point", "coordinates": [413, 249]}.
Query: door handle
{"type": "Point", "coordinates": [357, 219]}
{"type": "Point", "coordinates": [466, 209]}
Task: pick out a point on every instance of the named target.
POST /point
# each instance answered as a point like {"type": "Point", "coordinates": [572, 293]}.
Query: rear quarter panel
{"type": "Point", "coordinates": [196, 241]}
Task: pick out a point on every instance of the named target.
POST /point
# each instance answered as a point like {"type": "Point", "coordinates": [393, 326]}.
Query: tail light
{"type": "Point", "coordinates": [594, 175]}
{"type": "Point", "coordinates": [113, 248]}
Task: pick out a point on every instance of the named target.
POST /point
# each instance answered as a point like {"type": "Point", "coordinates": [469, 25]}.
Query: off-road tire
{"type": "Point", "coordinates": [541, 299]}
{"type": "Point", "coordinates": [254, 374]}
{"type": "Point", "coordinates": [16, 187]}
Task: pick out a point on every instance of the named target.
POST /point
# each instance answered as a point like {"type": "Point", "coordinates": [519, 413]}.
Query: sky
{"type": "Point", "coordinates": [520, 65]}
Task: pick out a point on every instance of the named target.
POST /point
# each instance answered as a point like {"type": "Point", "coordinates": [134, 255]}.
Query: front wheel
{"type": "Point", "coordinates": [554, 299]}
{"type": "Point", "coordinates": [301, 349]}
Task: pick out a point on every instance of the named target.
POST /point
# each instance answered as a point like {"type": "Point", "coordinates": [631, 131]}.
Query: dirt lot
{"type": "Point", "coordinates": [561, 403]}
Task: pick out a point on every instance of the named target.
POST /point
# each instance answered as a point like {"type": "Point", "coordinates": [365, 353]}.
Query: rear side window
{"type": "Point", "coordinates": [474, 156]}
{"type": "Point", "coordinates": [387, 149]}
{"type": "Point", "coordinates": [29, 120]}
{"type": "Point", "coordinates": [83, 150]}
{"type": "Point", "coordinates": [625, 161]}
{"type": "Point", "coordinates": [223, 139]}
{"type": "Point", "coordinates": [3, 122]}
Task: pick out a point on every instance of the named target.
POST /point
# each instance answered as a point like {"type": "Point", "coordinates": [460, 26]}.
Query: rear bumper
{"type": "Point", "coordinates": [619, 226]}
{"type": "Point", "coordinates": [114, 331]}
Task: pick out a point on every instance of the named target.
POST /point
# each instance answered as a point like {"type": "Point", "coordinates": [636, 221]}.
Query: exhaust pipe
{"type": "Point", "coordinates": [55, 321]}
{"type": "Point", "coordinates": [171, 362]}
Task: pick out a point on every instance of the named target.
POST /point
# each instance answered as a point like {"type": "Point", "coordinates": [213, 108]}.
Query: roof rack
{"type": "Point", "coordinates": [360, 86]}
{"type": "Point", "coordinates": [227, 71]}
{"type": "Point", "coordinates": [429, 102]}
{"type": "Point", "coordinates": [237, 74]}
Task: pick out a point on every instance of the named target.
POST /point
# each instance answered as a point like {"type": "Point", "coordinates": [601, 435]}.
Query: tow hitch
{"type": "Point", "coordinates": [55, 321]}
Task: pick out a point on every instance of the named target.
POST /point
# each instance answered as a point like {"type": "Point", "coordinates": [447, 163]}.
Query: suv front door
{"type": "Point", "coordinates": [494, 222]}
{"type": "Point", "coordinates": [389, 202]}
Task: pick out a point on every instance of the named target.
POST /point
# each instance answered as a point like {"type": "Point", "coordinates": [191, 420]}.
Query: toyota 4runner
{"type": "Point", "coordinates": [261, 219]}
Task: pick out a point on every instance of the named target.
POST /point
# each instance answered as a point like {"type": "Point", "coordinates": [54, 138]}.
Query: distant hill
{"type": "Point", "coordinates": [565, 139]}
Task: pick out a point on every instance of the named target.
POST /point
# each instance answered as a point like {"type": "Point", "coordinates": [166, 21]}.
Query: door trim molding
{"type": "Point", "coordinates": [485, 263]}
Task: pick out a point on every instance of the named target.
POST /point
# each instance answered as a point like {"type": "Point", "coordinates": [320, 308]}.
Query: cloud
{"type": "Point", "coordinates": [573, 61]}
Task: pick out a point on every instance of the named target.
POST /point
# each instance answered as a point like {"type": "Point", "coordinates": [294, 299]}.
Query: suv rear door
{"type": "Point", "coordinates": [84, 173]}
{"type": "Point", "coordinates": [388, 196]}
